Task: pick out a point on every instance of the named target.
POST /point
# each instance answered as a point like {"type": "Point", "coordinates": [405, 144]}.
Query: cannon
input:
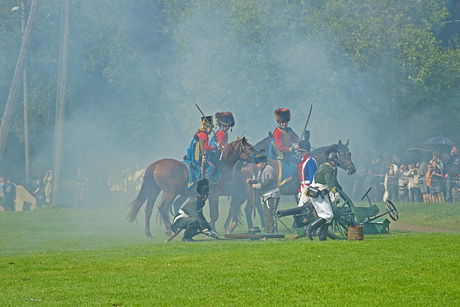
{"type": "Point", "coordinates": [346, 214]}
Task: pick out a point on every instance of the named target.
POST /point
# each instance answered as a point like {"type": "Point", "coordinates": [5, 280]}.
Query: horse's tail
{"type": "Point", "coordinates": [149, 185]}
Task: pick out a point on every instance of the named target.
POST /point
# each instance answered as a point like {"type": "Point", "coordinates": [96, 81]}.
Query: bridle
{"type": "Point", "coordinates": [346, 166]}
{"type": "Point", "coordinates": [250, 158]}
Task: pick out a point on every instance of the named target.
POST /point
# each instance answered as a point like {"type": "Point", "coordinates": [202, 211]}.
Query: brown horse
{"type": "Point", "coordinates": [172, 177]}
{"type": "Point", "coordinates": [288, 188]}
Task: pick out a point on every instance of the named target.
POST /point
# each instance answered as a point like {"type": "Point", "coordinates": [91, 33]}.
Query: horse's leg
{"type": "Point", "coordinates": [260, 211]}
{"type": "Point", "coordinates": [148, 212]}
{"type": "Point", "coordinates": [163, 208]}
{"type": "Point", "coordinates": [178, 202]}
{"type": "Point", "coordinates": [248, 209]}
{"type": "Point", "coordinates": [234, 213]}
{"type": "Point", "coordinates": [213, 210]}
{"type": "Point", "coordinates": [229, 217]}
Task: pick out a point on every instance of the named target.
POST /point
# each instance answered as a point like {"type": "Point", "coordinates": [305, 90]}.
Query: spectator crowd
{"type": "Point", "coordinates": [432, 178]}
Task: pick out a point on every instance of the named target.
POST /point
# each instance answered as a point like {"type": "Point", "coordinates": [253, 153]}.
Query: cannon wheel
{"type": "Point", "coordinates": [391, 209]}
{"type": "Point", "coordinates": [344, 215]}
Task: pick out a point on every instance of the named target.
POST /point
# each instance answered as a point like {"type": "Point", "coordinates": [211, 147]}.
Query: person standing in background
{"type": "Point", "coordinates": [47, 182]}
{"type": "Point", "coordinates": [8, 195]}
{"type": "Point", "coordinates": [80, 182]}
{"type": "Point", "coordinates": [138, 177]}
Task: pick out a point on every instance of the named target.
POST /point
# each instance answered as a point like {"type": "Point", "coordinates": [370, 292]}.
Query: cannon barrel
{"type": "Point", "coordinates": [291, 211]}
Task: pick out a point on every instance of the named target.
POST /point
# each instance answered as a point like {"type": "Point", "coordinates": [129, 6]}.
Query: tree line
{"type": "Point", "coordinates": [136, 69]}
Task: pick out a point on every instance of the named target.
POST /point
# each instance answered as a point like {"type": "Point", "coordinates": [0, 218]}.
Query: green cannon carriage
{"type": "Point", "coordinates": [346, 214]}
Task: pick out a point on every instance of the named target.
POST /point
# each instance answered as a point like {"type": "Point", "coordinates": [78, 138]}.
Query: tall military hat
{"type": "Point", "coordinates": [260, 157]}
{"type": "Point", "coordinates": [283, 115]}
{"type": "Point", "coordinates": [304, 145]}
{"type": "Point", "coordinates": [206, 121]}
{"type": "Point", "coordinates": [202, 187]}
{"type": "Point", "coordinates": [225, 119]}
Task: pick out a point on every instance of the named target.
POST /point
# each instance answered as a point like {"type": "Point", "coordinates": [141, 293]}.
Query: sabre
{"type": "Point", "coordinates": [204, 116]}
{"type": "Point", "coordinates": [306, 124]}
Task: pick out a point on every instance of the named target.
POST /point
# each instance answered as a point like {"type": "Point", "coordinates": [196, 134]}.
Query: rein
{"type": "Point", "coordinates": [250, 156]}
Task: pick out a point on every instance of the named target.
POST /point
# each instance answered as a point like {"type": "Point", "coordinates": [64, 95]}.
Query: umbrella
{"type": "Point", "coordinates": [439, 141]}
{"type": "Point", "coordinates": [421, 147]}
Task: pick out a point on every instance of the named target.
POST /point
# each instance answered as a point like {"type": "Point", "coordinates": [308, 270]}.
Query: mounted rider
{"type": "Point", "coordinates": [200, 152]}
{"type": "Point", "coordinates": [285, 139]}
{"type": "Point", "coordinates": [307, 171]}
{"type": "Point", "coordinates": [225, 121]}
{"type": "Point", "coordinates": [323, 191]}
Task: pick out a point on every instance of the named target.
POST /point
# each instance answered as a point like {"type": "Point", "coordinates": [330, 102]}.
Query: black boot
{"type": "Point", "coordinates": [323, 232]}
{"type": "Point", "coordinates": [313, 225]}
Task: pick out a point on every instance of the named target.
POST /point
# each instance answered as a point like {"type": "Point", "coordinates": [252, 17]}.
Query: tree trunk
{"type": "Point", "coordinates": [16, 83]}
{"type": "Point", "coordinates": [61, 102]}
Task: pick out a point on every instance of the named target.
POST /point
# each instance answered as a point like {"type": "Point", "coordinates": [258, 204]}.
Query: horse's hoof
{"type": "Point", "coordinates": [231, 228]}
{"type": "Point", "coordinates": [168, 233]}
{"type": "Point", "coordinates": [149, 235]}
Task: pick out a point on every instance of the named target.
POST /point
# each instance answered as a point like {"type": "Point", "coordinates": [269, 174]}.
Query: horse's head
{"type": "Point", "coordinates": [248, 152]}
{"type": "Point", "coordinates": [239, 150]}
{"type": "Point", "coordinates": [345, 158]}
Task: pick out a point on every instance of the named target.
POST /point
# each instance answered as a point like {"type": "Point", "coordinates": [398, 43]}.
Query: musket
{"type": "Point", "coordinates": [306, 124]}
{"type": "Point", "coordinates": [174, 235]}
{"type": "Point", "coordinates": [276, 216]}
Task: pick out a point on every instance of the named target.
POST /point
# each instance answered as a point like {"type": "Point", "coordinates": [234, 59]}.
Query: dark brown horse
{"type": "Point", "coordinates": [172, 177]}
{"type": "Point", "coordinates": [288, 188]}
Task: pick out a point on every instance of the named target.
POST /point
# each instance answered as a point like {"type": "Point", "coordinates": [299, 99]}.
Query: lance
{"type": "Point", "coordinates": [306, 124]}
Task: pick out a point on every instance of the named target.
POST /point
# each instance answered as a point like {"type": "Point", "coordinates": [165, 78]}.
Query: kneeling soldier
{"type": "Point", "coordinates": [190, 217]}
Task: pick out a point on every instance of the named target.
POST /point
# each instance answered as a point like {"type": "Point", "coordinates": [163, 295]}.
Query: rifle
{"type": "Point", "coordinates": [306, 124]}
{"type": "Point", "coordinates": [174, 235]}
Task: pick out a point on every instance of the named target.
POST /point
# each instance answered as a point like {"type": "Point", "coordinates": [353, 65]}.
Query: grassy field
{"type": "Point", "coordinates": [96, 258]}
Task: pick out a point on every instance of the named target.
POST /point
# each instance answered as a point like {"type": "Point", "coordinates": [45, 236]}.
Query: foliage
{"type": "Point", "coordinates": [136, 69]}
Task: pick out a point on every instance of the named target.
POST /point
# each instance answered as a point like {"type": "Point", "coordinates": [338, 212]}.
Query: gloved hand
{"type": "Point", "coordinates": [337, 197]}
{"type": "Point", "coordinates": [213, 234]}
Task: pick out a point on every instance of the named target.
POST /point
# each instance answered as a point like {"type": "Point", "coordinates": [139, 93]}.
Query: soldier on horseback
{"type": "Point", "coordinates": [323, 191]}
{"type": "Point", "coordinates": [285, 139]}
{"type": "Point", "coordinates": [225, 121]}
{"type": "Point", "coordinates": [200, 152]}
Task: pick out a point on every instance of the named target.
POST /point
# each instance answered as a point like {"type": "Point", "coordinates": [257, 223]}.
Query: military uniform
{"type": "Point", "coordinates": [190, 217]}
{"type": "Point", "coordinates": [285, 138]}
{"type": "Point", "coordinates": [200, 146]}
{"type": "Point", "coordinates": [267, 183]}
{"type": "Point", "coordinates": [325, 181]}
{"type": "Point", "coordinates": [223, 119]}
{"type": "Point", "coordinates": [307, 171]}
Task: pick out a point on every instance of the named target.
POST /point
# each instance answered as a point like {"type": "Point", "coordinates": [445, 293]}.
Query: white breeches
{"type": "Point", "coordinates": [323, 208]}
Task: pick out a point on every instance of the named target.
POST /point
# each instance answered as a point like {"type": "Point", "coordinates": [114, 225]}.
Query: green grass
{"type": "Point", "coordinates": [95, 258]}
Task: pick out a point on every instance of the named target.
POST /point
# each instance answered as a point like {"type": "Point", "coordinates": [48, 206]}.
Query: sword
{"type": "Point", "coordinates": [306, 124]}
{"type": "Point", "coordinates": [204, 116]}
